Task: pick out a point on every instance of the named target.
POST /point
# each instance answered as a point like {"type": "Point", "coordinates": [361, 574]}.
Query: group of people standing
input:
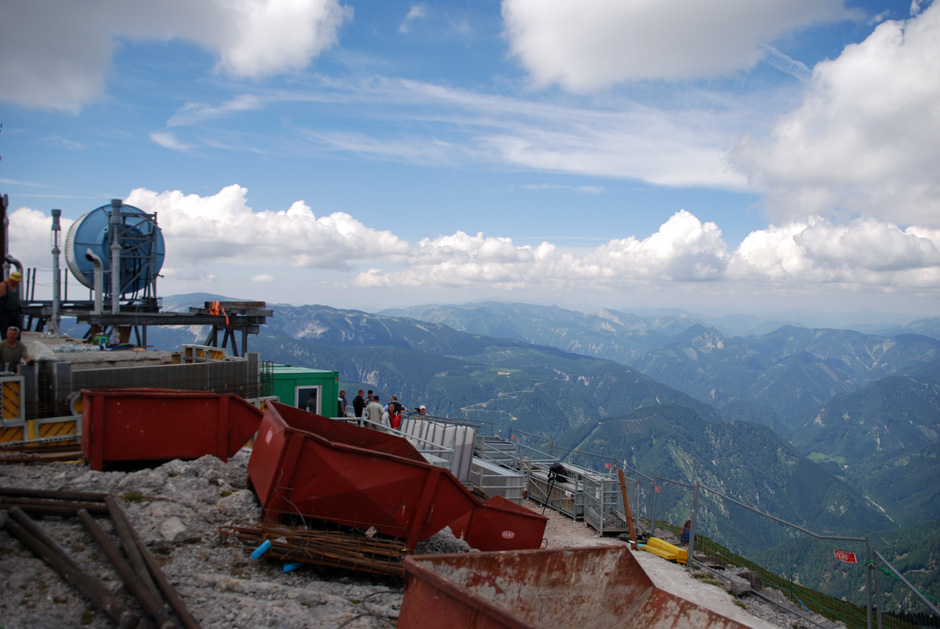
{"type": "Point", "coordinates": [367, 405]}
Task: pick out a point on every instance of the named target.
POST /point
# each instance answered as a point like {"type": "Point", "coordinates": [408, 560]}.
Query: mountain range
{"type": "Point", "coordinates": [829, 429]}
{"type": "Point", "coordinates": [795, 380]}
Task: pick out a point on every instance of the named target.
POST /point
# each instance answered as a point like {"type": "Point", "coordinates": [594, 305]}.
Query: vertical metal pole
{"type": "Point", "coordinates": [636, 500]}
{"type": "Point", "coordinates": [653, 510]}
{"type": "Point", "coordinates": [153, 261]}
{"type": "Point", "coordinates": [692, 530]}
{"type": "Point", "coordinates": [868, 556]}
{"type": "Point", "coordinates": [115, 226]}
{"type": "Point", "coordinates": [56, 286]}
{"type": "Point", "coordinates": [4, 234]}
{"type": "Point", "coordinates": [98, 279]}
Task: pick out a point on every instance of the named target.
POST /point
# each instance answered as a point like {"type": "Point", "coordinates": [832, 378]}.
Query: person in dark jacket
{"type": "Point", "coordinates": [559, 471]}
{"type": "Point", "coordinates": [685, 532]}
{"type": "Point", "coordinates": [359, 403]}
{"type": "Point", "coordinates": [11, 309]}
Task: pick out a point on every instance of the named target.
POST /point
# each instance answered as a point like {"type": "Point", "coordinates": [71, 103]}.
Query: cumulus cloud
{"type": "Point", "coordinates": [222, 227]}
{"type": "Point", "coordinates": [863, 253]}
{"type": "Point", "coordinates": [807, 257]}
{"type": "Point", "coordinates": [31, 237]}
{"type": "Point", "coordinates": [588, 46]}
{"type": "Point", "coordinates": [208, 236]}
{"type": "Point", "coordinates": [683, 249]}
{"type": "Point", "coordinates": [866, 139]}
{"type": "Point", "coordinates": [68, 65]}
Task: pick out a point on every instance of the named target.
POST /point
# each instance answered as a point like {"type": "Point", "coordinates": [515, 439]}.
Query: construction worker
{"type": "Point", "coordinates": [12, 351]}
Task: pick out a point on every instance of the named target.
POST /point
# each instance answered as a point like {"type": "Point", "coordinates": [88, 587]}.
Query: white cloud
{"type": "Point", "coordinates": [194, 113]}
{"type": "Point", "coordinates": [684, 248]}
{"type": "Point", "coordinates": [864, 253]}
{"type": "Point", "coordinates": [220, 242]}
{"type": "Point", "coordinates": [685, 146]}
{"type": "Point", "coordinates": [810, 257]}
{"type": "Point", "coordinates": [262, 38]}
{"type": "Point", "coordinates": [31, 238]}
{"type": "Point", "coordinates": [223, 227]}
{"type": "Point", "coordinates": [67, 65]}
{"type": "Point", "coordinates": [866, 140]}
{"type": "Point", "coordinates": [782, 62]}
{"type": "Point", "coordinates": [584, 46]}
{"type": "Point", "coordinates": [168, 141]}
{"type": "Point", "coordinates": [416, 12]}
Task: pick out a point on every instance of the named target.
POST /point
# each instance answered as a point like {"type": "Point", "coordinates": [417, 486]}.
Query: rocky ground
{"type": "Point", "coordinates": [177, 509]}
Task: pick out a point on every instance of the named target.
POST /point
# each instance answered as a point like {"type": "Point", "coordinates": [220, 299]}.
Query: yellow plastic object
{"type": "Point", "coordinates": [666, 550]}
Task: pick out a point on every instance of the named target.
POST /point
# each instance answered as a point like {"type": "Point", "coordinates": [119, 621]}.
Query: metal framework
{"type": "Point", "coordinates": [228, 321]}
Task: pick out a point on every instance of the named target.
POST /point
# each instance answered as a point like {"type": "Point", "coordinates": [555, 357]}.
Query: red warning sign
{"type": "Point", "coordinates": [841, 555]}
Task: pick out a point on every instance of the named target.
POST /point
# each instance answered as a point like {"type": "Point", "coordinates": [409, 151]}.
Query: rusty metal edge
{"type": "Point", "coordinates": [416, 570]}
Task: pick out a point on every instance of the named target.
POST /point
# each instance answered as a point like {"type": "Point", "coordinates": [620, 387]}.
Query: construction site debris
{"type": "Point", "coordinates": [350, 550]}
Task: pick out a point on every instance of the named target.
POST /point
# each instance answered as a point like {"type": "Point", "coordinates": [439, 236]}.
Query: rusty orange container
{"type": "Point", "coordinates": [312, 466]}
{"type": "Point", "coordinates": [595, 587]}
{"type": "Point", "coordinates": [162, 424]}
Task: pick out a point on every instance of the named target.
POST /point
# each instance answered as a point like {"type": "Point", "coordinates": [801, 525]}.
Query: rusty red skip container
{"type": "Point", "coordinates": [311, 466]}
{"type": "Point", "coordinates": [578, 588]}
{"type": "Point", "coordinates": [163, 424]}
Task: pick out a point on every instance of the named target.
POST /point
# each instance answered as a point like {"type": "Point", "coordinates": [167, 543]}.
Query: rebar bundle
{"type": "Point", "coordinates": [338, 549]}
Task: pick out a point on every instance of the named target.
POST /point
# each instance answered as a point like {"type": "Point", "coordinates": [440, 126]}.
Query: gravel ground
{"type": "Point", "coordinates": [185, 502]}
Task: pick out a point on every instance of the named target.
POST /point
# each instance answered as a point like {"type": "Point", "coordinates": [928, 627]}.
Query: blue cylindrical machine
{"type": "Point", "coordinates": [141, 244]}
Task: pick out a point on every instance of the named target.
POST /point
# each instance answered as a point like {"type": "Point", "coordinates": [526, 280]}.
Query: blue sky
{"type": "Point", "coordinates": [728, 156]}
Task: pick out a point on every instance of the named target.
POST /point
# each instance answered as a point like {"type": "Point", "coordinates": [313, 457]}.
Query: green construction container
{"type": "Point", "coordinates": [297, 385]}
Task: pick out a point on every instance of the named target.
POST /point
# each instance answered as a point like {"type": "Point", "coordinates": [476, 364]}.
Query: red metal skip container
{"type": "Point", "coordinates": [312, 466]}
{"type": "Point", "coordinates": [163, 424]}
{"type": "Point", "coordinates": [595, 587]}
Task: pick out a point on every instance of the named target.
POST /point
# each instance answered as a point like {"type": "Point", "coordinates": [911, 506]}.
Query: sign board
{"type": "Point", "coordinates": [841, 555]}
